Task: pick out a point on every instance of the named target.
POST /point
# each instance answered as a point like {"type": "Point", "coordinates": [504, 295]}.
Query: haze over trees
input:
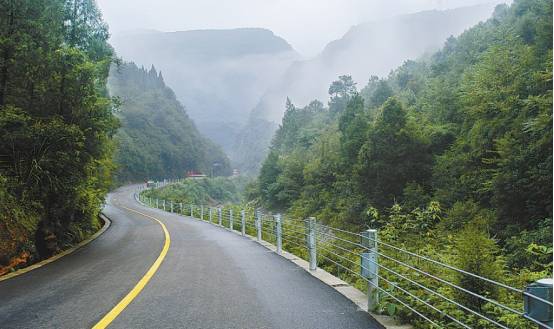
{"type": "Point", "coordinates": [218, 75]}
{"type": "Point", "coordinates": [370, 48]}
{"type": "Point", "coordinates": [450, 156]}
{"type": "Point", "coordinates": [234, 82]}
{"type": "Point", "coordinates": [56, 125]}
{"type": "Point", "coordinates": [157, 139]}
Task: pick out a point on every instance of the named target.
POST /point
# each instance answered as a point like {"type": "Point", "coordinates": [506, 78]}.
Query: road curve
{"type": "Point", "coordinates": [210, 278]}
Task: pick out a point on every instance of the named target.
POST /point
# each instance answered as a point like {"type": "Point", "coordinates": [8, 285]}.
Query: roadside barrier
{"type": "Point", "coordinates": [423, 286]}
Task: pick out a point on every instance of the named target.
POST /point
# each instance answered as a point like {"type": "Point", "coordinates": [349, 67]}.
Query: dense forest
{"type": "Point", "coordinates": [450, 155]}
{"type": "Point", "coordinates": [372, 47]}
{"type": "Point", "coordinates": [157, 139]}
{"type": "Point", "coordinates": [56, 124]}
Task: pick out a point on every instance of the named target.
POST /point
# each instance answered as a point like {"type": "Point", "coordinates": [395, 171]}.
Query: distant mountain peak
{"type": "Point", "coordinates": [367, 49]}
{"type": "Point", "coordinates": [218, 74]}
{"type": "Point", "coordinates": [207, 42]}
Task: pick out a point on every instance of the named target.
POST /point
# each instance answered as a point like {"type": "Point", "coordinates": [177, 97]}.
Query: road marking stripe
{"type": "Point", "coordinates": [108, 318]}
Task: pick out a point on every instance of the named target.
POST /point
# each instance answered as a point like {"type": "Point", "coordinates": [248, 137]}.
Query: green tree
{"type": "Point", "coordinates": [269, 173]}
{"type": "Point", "coordinates": [56, 119]}
{"type": "Point", "coordinates": [392, 156]}
{"type": "Point", "coordinates": [340, 91]}
{"type": "Point", "coordinates": [353, 126]}
{"type": "Point", "coordinates": [477, 253]}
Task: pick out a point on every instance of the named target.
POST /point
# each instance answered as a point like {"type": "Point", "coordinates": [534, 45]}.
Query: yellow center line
{"type": "Point", "coordinates": [108, 318]}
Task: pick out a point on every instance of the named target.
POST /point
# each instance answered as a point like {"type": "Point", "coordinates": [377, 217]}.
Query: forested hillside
{"type": "Point", "coordinates": [390, 41]}
{"type": "Point", "coordinates": [157, 139]}
{"type": "Point", "coordinates": [56, 125]}
{"type": "Point", "coordinates": [449, 156]}
{"type": "Point", "coordinates": [218, 75]}
{"type": "Point", "coordinates": [374, 47]}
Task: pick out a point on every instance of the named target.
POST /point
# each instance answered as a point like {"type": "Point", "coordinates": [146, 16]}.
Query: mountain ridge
{"type": "Point", "coordinates": [367, 49]}
{"type": "Point", "coordinates": [217, 74]}
{"type": "Point", "coordinates": [157, 138]}
{"type": "Point", "coordinates": [406, 28]}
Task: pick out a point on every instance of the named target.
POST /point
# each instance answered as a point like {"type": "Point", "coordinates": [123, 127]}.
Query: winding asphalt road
{"type": "Point", "coordinates": [210, 278]}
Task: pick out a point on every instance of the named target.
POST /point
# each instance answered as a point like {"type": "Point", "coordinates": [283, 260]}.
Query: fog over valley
{"type": "Point", "coordinates": [233, 82]}
{"type": "Point", "coordinates": [219, 75]}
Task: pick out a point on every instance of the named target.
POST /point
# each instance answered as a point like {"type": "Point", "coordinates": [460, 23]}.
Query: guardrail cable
{"type": "Point", "coordinates": [348, 250]}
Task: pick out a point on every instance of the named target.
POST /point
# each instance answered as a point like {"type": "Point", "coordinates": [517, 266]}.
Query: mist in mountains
{"type": "Point", "coordinates": [219, 75]}
{"type": "Point", "coordinates": [372, 48]}
{"type": "Point", "coordinates": [234, 82]}
{"type": "Point", "coordinates": [308, 25]}
{"type": "Point", "coordinates": [157, 139]}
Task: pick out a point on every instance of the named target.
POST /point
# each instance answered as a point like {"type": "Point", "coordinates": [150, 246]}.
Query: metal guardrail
{"type": "Point", "coordinates": [390, 274]}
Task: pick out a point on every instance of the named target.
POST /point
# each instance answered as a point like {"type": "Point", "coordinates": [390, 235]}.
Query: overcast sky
{"type": "Point", "coordinates": [308, 25]}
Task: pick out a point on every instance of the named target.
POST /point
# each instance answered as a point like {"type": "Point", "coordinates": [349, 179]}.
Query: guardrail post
{"type": "Point", "coordinates": [163, 201]}
{"type": "Point", "coordinates": [201, 212]}
{"type": "Point", "coordinates": [157, 204]}
{"type": "Point", "coordinates": [231, 219]}
{"type": "Point", "coordinates": [192, 211]}
{"type": "Point", "coordinates": [181, 208]}
{"type": "Point", "coordinates": [242, 222]}
{"type": "Point", "coordinates": [210, 214]}
{"type": "Point", "coordinates": [219, 216]}
{"type": "Point", "coordinates": [537, 309]}
{"type": "Point", "coordinates": [278, 233]}
{"type": "Point", "coordinates": [310, 226]}
{"type": "Point", "coordinates": [171, 206]}
{"type": "Point", "coordinates": [259, 226]}
{"type": "Point", "coordinates": [369, 264]}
